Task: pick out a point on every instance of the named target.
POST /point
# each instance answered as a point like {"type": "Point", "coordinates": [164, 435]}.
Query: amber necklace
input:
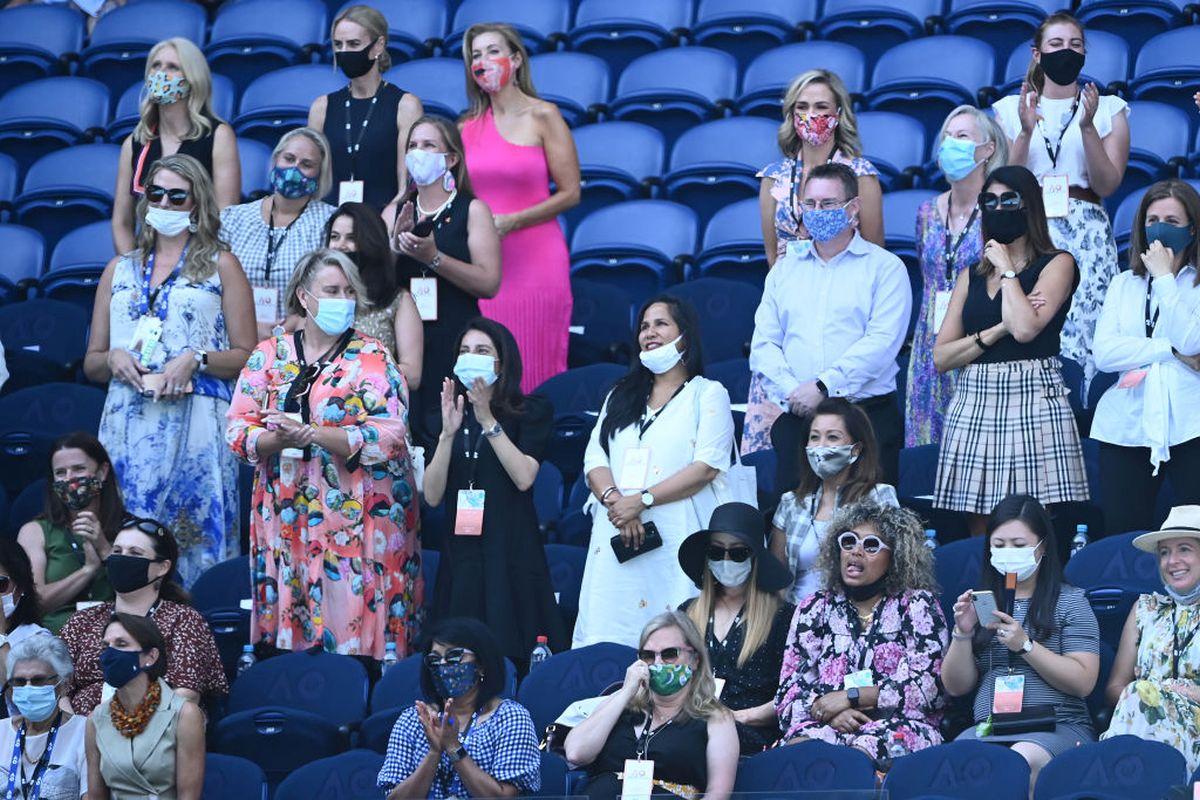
{"type": "Point", "coordinates": [131, 724]}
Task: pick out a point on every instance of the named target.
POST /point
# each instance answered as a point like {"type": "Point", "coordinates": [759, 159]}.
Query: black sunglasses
{"type": "Point", "coordinates": [452, 656]}
{"type": "Point", "coordinates": [146, 525]}
{"type": "Point", "coordinates": [1007, 201]}
{"type": "Point", "coordinates": [736, 554]}
{"type": "Point", "coordinates": [177, 197]}
{"type": "Point", "coordinates": [669, 655]}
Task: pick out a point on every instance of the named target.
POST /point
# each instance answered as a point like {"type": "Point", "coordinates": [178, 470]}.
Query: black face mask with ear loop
{"type": "Point", "coordinates": [1063, 66]}
{"type": "Point", "coordinates": [128, 573]}
{"type": "Point", "coordinates": [354, 63]}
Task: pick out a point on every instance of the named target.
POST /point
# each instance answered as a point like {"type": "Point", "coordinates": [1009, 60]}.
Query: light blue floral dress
{"type": "Point", "coordinates": [170, 456]}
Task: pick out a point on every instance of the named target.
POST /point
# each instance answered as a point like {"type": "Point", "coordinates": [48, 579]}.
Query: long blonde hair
{"type": "Point", "coordinates": [204, 245]}
{"type": "Point", "coordinates": [845, 136]}
{"type": "Point", "coordinates": [199, 98]}
{"type": "Point", "coordinates": [523, 77]}
{"type": "Point", "coordinates": [375, 24]}
{"type": "Point", "coordinates": [761, 608]}
{"type": "Point", "coordinates": [1034, 76]}
{"type": "Point", "coordinates": [702, 702]}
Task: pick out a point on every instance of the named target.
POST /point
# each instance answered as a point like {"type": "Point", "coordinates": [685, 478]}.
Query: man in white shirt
{"type": "Point", "coordinates": [833, 316]}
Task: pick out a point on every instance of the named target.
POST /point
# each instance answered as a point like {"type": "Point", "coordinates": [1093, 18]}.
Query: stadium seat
{"type": "Point", "coordinates": [733, 374]}
{"type": "Point", "coordinates": [576, 396]}
{"type": "Point", "coordinates": [601, 328]}
{"type": "Point", "coordinates": [1135, 21]}
{"type": "Point", "coordinates": [1107, 63]}
{"type": "Point", "coordinates": [1003, 24]}
{"type": "Point", "coordinates": [620, 31]}
{"type": "Point", "coordinates": [230, 776]}
{"type": "Point", "coordinates": [748, 28]}
{"type": "Point", "coordinates": [566, 562]}
{"type": "Point", "coordinates": [28, 503]}
{"type": "Point", "coordinates": [875, 26]}
{"type": "Point", "coordinates": [733, 247]}
{"type": "Point", "coordinates": [543, 24]}
{"type": "Point", "coordinates": [808, 767]}
{"type": "Point", "coordinates": [24, 251]}
{"type": "Point", "coordinates": [1113, 573]}
{"type": "Point", "coordinates": [252, 37]}
{"type": "Point", "coordinates": [765, 464]}
{"type": "Point", "coordinates": [577, 83]}
{"type": "Point", "coordinates": [1159, 144]}
{"type": "Point", "coordinates": [77, 263]}
{"type": "Point", "coordinates": [415, 27]}
{"type": "Point", "coordinates": [895, 144]}
{"type": "Point", "coordinates": [377, 729]}
{"type": "Point", "coordinates": [36, 41]}
{"type": "Point", "coordinates": [67, 189]}
{"type": "Point", "coordinates": [44, 341]}
{"type": "Point", "coordinates": [333, 687]}
{"type": "Point", "coordinates": [727, 309]}
{"type": "Point", "coordinates": [41, 116]}
{"type": "Point", "coordinates": [1122, 223]}
{"type": "Point", "coordinates": [128, 111]}
{"type": "Point", "coordinates": [9, 172]}
{"type": "Point", "coordinates": [1127, 767]}
{"type": "Point", "coordinates": [555, 780]}
{"type": "Point", "coordinates": [617, 161]}
{"type": "Point", "coordinates": [218, 594]}
{"type": "Point", "coordinates": [639, 245]}
{"type": "Point", "coordinates": [715, 164]}
{"type": "Point", "coordinates": [900, 223]}
{"type": "Point", "coordinates": [31, 419]}
{"type": "Point", "coordinates": [118, 45]}
{"type": "Point", "coordinates": [966, 770]}
{"type": "Point", "coordinates": [676, 88]}
{"type": "Point", "coordinates": [401, 685]}
{"type": "Point", "coordinates": [1167, 69]}
{"type": "Point", "coordinates": [279, 100]}
{"type": "Point", "coordinates": [768, 76]}
{"type": "Point", "coordinates": [346, 775]}
{"type": "Point", "coordinates": [439, 82]}
{"type": "Point", "coordinates": [279, 740]}
{"type": "Point", "coordinates": [548, 497]}
{"type": "Point", "coordinates": [572, 675]}
{"type": "Point", "coordinates": [430, 561]}
{"type": "Point", "coordinates": [958, 566]}
{"type": "Point", "coordinates": [256, 163]}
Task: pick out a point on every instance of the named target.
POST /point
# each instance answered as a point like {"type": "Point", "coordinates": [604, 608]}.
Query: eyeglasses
{"type": "Point", "coordinates": [5, 584]}
{"type": "Point", "coordinates": [146, 525]}
{"type": "Point", "coordinates": [454, 655]}
{"type": "Point", "coordinates": [736, 554]}
{"type": "Point", "coordinates": [669, 655]}
{"type": "Point", "coordinates": [1008, 201]}
{"type": "Point", "coordinates": [177, 197]}
{"type": "Point", "coordinates": [825, 205]}
{"type": "Point", "coordinates": [871, 544]}
{"type": "Point", "coordinates": [40, 680]}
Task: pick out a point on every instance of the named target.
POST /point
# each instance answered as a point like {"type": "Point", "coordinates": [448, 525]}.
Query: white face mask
{"type": "Point", "coordinates": [1023, 561]}
{"type": "Point", "coordinates": [662, 359]}
{"type": "Point", "coordinates": [168, 221]}
{"type": "Point", "coordinates": [425, 167]}
{"type": "Point", "coordinates": [730, 573]}
{"type": "Point", "coordinates": [9, 602]}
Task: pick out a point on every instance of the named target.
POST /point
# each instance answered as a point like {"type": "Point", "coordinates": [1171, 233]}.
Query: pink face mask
{"type": "Point", "coordinates": [493, 74]}
{"type": "Point", "coordinates": [815, 129]}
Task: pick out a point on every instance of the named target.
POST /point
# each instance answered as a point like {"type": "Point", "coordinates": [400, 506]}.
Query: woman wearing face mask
{"type": "Point", "coordinates": [641, 470]}
{"type": "Point", "coordinates": [49, 741]}
{"type": "Point", "coordinates": [448, 255]}
{"type": "Point", "coordinates": [516, 146]}
{"type": "Point", "coordinates": [270, 235]}
{"type": "Point", "coordinates": [463, 739]}
{"type": "Point", "coordinates": [841, 467]}
{"type": "Point", "coordinates": [1009, 427]}
{"type": "Point", "coordinates": [745, 624]}
{"type": "Point", "coordinates": [368, 120]}
{"type": "Point", "coordinates": [1153, 679]}
{"type": "Point", "coordinates": [1148, 423]}
{"type": "Point", "coordinates": [1048, 643]}
{"type": "Point", "coordinates": [864, 653]}
{"type": "Point", "coordinates": [172, 325]}
{"type": "Point", "coordinates": [1076, 141]}
{"type": "Point", "coordinates": [667, 712]}
{"type": "Point", "coordinates": [176, 117]}
{"type": "Point", "coordinates": [19, 600]}
{"type": "Point", "coordinates": [969, 147]}
{"type": "Point", "coordinates": [140, 570]}
{"type": "Point", "coordinates": [147, 741]}
{"type": "Point", "coordinates": [493, 567]}
{"type": "Point", "coordinates": [68, 543]}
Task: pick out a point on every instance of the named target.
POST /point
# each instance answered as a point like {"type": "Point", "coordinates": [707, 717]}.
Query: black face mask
{"type": "Point", "coordinates": [1005, 226]}
{"type": "Point", "coordinates": [354, 63]}
{"type": "Point", "coordinates": [1062, 66]}
{"type": "Point", "coordinates": [127, 573]}
{"type": "Point", "coordinates": [865, 591]}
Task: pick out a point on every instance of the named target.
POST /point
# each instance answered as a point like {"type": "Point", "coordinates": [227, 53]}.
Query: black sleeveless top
{"type": "Point", "coordinates": [981, 312]}
{"type": "Point", "coordinates": [375, 161]}
{"type": "Point", "coordinates": [200, 149]}
{"type": "Point", "coordinates": [678, 751]}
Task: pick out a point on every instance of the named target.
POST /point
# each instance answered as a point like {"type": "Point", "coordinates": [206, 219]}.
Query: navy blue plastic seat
{"type": "Point", "coordinates": [577, 83]}
{"type": "Point", "coordinates": [118, 45]}
{"type": "Point", "coordinates": [958, 568]}
{"type": "Point", "coordinates": [727, 308]}
{"type": "Point", "coordinates": [1122, 222]}
{"type": "Point", "coordinates": [875, 26]}
{"type": "Point", "coordinates": [278, 739]}
{"type": "Point", "coordinates": [1167, 68]}
{"type": "Point", "coordinates": [617, 161]}
{"type": "Point", "coordinates": [401, 685]}
{"type": "Point", "coordinates": [1136, 21]}
{"type": "Point", "coordinates": [748, 28]}
{"type": "Point", "coordinates": [36, 41]}
{"type": "Point", "coordinates": [601, 328]}
{"type": "Point", "coordinates": [555, 779]}
{"type": "Point", "coordinates": [331, 686]}
{"type": "Point", "coordinates": [543, 24]}
{"type": "Point", "coordinates": [377, 729]}
{"type": "Point", "coordinates": [218, 594]}
{"type": "Point", "coordinates": [439, 82]}
{"type": "Point", "coordinates": [1159, 144]}
{"type": "Point", "coordinates": [576, 396]}
{"type": "Point", "coordinates": [77, 263]}
{"type": "Point", "coordinates": [69, 188]}
{"type": "Point", "coordinates": [674, 89]}
{"type": "Point", "coordinates": [41, 116]}
{"type": "Point", "coordinates": [572, 675]}
{"type": "Point", "coordinates": [28, 503]}
{"type": "Point", "coordinates": [255, 158]}
{"type": "Point", "coordinates": [1122, 767]}
{"type": "Point", "coordinates": [279, 100]}
{"type": "Point", "coordinates": [638, 245]}
{"type": "Point", "coordinates": [347, 775]}
{"type": "Point", "coordinates": [566, 562]}
{"type": "Point", "coordinates": [128, 111]}
{"type": "Point", "coordinates": [733, 374]}
{"type": "Point", "coordinates": [31, 419]}
{"type": "Point", "coordinates": [415, 27]}
{"type": "Point", "coordinates": [9, 172]}
{"type": "Point", "coordinates": [44, 341]}
{"type": "Point", "coordinates": [1003, 24]}
{"type": "Point", "coordinates": [715, 164]}
{"type": "Point", "coordinates": [252, 37]}
{"type": "Point", "coordinates": [810, 766]}
{"type": "Point", "coordinates": [895, 144]}
{"type": "Point", "coordinates": [24, 252]}
{"type": "Point", "coordinates": [231, 776]}
{"type": "Point", "coordinates": [548, 497]}
{"type": "Point", "coordinates": [733, 247]}
{"type": "Point", "coordinates": [620, 31]}
{"type": "Point", "coordinates": [900, 221]}
{"type": "Point", "coordinates": [430, 561]}
{"type": "Point", "coordinates": [1107, 63]}
{"type": "Point", "coordinates": [768, 76]}
{"type": "Point", "coordinates": [967, 770]}
{"type": "Point", "coordinates": [1113, 573]}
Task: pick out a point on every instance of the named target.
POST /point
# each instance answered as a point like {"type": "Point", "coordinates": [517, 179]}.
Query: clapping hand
{"type": "Point", "coordinates": [441, 728]}
{"type": "Point", "coordinates": [452, 408]}
{"type": "Point", "coordinates": [1089, 101]}
{"type": "Point", "coordinates": [1027, 108]}
{"type": "Point", "coordinates": [480, 394]}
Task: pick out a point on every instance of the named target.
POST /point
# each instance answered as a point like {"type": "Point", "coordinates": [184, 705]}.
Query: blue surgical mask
{"type": "Point", "coordinates": [956, 157]}
{"type": "Point", "coordinates": [36, 703]}
{"type": "Point", "coordinates": [470, 366]}
{"type": "Point", "coordinates": [291, 183]}
{"type": "Point", "coordinates": [824, 224]}
{"type": "Point", "coordinates": [334, 315]}
{"type": "Point", "coordinates": [455, 680]}
{"type": "Point", "coordinates": [1176, 237]}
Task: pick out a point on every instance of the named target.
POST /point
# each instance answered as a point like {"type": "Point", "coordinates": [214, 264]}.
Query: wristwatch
{"type": "Point", "coordinates": [458, 755]}
{"type": "Point", "coordinates": [1008, 273]}
{"type": "Point", "coordinates": [852, 696]}
{"type": "Point", "coordinates": [647, 499]}
{"type": "Point", "coordinates": [201, 357]}
{"type": "Point", "coordinates": [437, 261]}
{"type": "Point", "coordinates": [1027, 648]}
{"type": "Point", "coordinates": [493, 431]}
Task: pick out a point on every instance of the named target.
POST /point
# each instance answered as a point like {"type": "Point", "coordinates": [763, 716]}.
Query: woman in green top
{"type": "Point", "coordinates": [68, 542]}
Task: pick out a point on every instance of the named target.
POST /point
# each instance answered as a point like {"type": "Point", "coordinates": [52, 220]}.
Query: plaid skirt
{"type": "Point", "coordinates": [1009, 430]}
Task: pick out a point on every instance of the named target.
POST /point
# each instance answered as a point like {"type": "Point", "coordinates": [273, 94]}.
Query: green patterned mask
{"type": "Point", "coordinates": [667, 679]}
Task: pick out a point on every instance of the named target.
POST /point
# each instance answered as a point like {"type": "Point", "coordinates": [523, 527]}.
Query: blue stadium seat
{"type": "Point", "coordinates": [415, 27]}
{"type": "Point", "coordinates": [218, 594]}
{"type": "Point", "coordinates": [748, 28]}
{"type": "Point", "coordinates": [377, 729]}
{"type": "Point", "coordinates": [401, 685]}
{"type": "Point", "coordinates": [118, 45]}
{"type": "Point", "coordinates": [1113, 573]}
{"type": "Point", "coordinates": [733, 246]}
{"type": "Point", "coordinates": [733, 374]}
{"type": "Point", "coordinates": [555, 780]}
{"type": "Point", "coordinates": [330, 686]}
{"type": "Point", "coordinates": [548, 497]}
{"type": "Point", "coordinates": [36, 41]}
{"type": "Point", "coordinates": [439, 82]}
{"type": "Point", "coordinates": [638, 245]}
{"type": "Point", "coordinates": [895, 144]}
{"type": "Point", "coordinates": [966, 770]}
{"type": "Point", "coordinates": [278, 739]}
{"type": "Point", "coordinates": [252, 37]}
{"type": "Point", "coordinates": [600, 324]}
{"type": "Point", "coordinates": [24, 252]}
{"type": "Point", "coordinates": [279, 100]}
{"type": "Point", "coordinates": [900, 221]}
{"type": "Point", "coordinates": [572, 675]}
{"type": "Point", "coordinates": [958, 566]}
{"type": "Point", "coordinates": [1121, 767]}
{"type": "Point", "coordinates": [676, 88]}
{"type": "Point", "coordinates": [44, 341]}
{"type": "Point", "coordinates": [1122, 222]}
{"type": "Point", "coordinates": [230, 776]}
{"type": "Point", "coordinates": [620, 31]}
{"type": "Point", "coordinates": [1167, 68]}
{"type": "Point", "coordinates": [768, 76]}
{"type": "Point", "coordinates": [1004, 24]}
{"type": "Point", "coordinates": [1107, 63]}
{"type": "Point", "coordinates": [9, 172]}
{"type": "Point", "coordinates": [68, 189]}
{"type": "Point", "coordinates": [543, 24]}
{"type": "Point", "coordinates": [875, 26]}
{"type": "Point", "coordinates": [566, 563]}
{"type": "Point", "coordinates": [256, 162]}
{"type": "Point", "coordinates": [430, 561]}
{"type": "Point", "coordinates": [31, 419]}
{"type": "Point", "coordinates": [1135, 21]}
{"type": "Point", "coordinates": [715, 164]}
{"type": "Point", "coordinates": [765, 464]}
{"type": "Point", "coordinates": [128, 111]}
{"type": "Point", "coordinates": [347, 775]}
{"type": "Point", "coordinates": [577, 83]}
{"type": "Point", "coordinates": [810, 766]}
{"type": "Point", "coordinates": [45, 115]}
{"type": "Point", "coordinates": [1159, 144]}
{"type": "Point", "coordinates": [28, 503]}
{"type": "Point", "coordinates": [727, 308]}
{"type": "Point", "coordinates": [617, 161]}
{"type": "Point", "coordinates": [576, 396]}
{"type": "Point", "coordinates": [77, 263]}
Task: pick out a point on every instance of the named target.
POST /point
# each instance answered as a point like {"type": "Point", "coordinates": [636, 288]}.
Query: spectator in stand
{"type": "Point", "coordinates": [462, 739]}
{"type": "Point", "coordinates": [176, 117]}
{"type": "Point", "coordinates": [819, 127]}
{"type": "Point", "coordinates": [1153, 682]}
{"type": "Point", "coordinates": [969, 147]}
{"type": "Point", "coordinates": [1050, 640]}
{"type": "Point", "coordinates": [493, 568]}
{"type": "Point", "coordinates": [1009, 428]}
{"type": "Point", "coordinates": [147, 741]}
{"type": "Point", "coordinates": [1148, 423]}
{"type": "Point", "coordinates": [1076, 141]}
{"type": "Point", "coordinates": [745, 623]}
{"type": "Point", "coordinates": [516, 146]}
{"type": "Point", "coordinates": [334, 551]}
{"type": "Point", "coordinates": [878, 607]}
{"type": "Point", "coordinates": [449, 257]}
{"type": "Point", "coordinates": [832, 322]}
{"type": "Point", "coordinates": [22, 617]}
{"type": "Point", "coordinates": [367, 122]}
{"type": "Point", "coordinates": [269, 236]}
{"type": "Point", "coordinates": [144, 556]}
{"type": "Point", "coordinates": [667, 712]}
{"type": "Point", "coordinates": [650, 490]}
{"type": "Point", "coordinates": [81, 515]}
{"type": "Point", "coordinates": [172, 326]}
{"type": "Point", "coordinates": [840, 467]}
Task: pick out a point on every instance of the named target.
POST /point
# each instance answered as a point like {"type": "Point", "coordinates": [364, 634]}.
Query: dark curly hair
{"type": "Point", "coordinates": [900, 529]}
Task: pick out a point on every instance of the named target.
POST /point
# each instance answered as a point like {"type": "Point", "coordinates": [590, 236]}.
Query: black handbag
{"type": "Point", "coordinates": [1030, 719]}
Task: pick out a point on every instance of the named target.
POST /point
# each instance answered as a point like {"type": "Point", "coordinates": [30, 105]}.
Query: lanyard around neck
{"type": "Point", "coordinates": [1053, 152]}
{"type": "Point", "coordinates": [149, 297]}
{"type": "Point", "coordinates": [950, 251]}
{"type": "Point", "coordinates": [649, 419]}
{"type": "Point", "coordinates": [352, 146]}
{"type": "Point", "coordinates": [273, 246]}
{"type": "Point", "coordinates": [1151, 322]}
{"type": "Point", "coordinates": [32, 789]}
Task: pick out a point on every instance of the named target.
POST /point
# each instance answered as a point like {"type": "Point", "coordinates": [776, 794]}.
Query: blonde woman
{"type": "Point", "coordinates": [667, 712]}
{"type": "Point", "coordinates": [176, 117]}
{"type": "Point", "coordinates": [172, 325]}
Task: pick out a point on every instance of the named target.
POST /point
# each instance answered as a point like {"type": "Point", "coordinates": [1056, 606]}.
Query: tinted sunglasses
{"type": "Point", "coordinates": [871, 544]}
{"type": "Point", "coordinates": [145, 525]}
{"type": "Point", "coordinates": [41, 680]}
{"type": "Point", "coordinates": [452, 656]}
{"type": "Point", "coordinates": [176, 197]}
{"type": "Point", "coordinates": [669, 655]}
{"type": "Point", "coordinates": [737, 554]}
{"type": "Point", "coordinates": [1008, 201]}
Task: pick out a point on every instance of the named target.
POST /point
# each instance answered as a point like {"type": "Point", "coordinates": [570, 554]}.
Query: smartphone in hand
{"type": "Point", "coordinates": [985, 607]}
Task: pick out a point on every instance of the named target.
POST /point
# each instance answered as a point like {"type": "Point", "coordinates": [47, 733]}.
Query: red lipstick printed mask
{"type": "Point", "coordinates": [493, 74]}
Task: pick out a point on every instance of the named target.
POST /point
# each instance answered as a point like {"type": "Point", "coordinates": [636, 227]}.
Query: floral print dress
{"type": "Point", "coordinates": [1148, 707]}
{"type": "Point", "coordinates": [334, 554]}
{"type": "Point", "coordinates": [903, 649]}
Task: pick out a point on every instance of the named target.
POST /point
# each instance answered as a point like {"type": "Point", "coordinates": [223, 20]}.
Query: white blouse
{"type": "Point", "coordinates": [1055, 113]}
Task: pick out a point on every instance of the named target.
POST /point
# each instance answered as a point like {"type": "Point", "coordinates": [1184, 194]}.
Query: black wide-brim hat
{"type": "Point", "coordinates": [746, 523]}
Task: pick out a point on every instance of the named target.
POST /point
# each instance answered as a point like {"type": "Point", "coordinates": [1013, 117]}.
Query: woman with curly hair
{"type": "Point", "coordinates": [865, 652]}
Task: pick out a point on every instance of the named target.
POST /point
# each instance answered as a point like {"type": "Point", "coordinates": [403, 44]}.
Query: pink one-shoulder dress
{"type": "Point", "coordinates": [534, 301]}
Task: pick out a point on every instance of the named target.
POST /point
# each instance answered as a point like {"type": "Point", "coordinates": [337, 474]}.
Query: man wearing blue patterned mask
{"type": "Point", "coordinates": [831, 323]}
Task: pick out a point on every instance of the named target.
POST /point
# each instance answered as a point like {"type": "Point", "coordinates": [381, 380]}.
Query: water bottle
{"type": "Point", "coordinates": [896, 748]}
{"type": "Point", "coordinates": [1081, 539]}
{"type": "Point", "coordinates": [389, 658]}
{"type": "Point", "coordinates": [246, 660]}
{"type": "Point", "coordinates": [541, 651]}
{"type": "Point", "coordinates": [931, 539]}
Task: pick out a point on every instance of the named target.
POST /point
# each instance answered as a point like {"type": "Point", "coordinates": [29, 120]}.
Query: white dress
{"type": "Point", "coordinates": [617, 600]}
